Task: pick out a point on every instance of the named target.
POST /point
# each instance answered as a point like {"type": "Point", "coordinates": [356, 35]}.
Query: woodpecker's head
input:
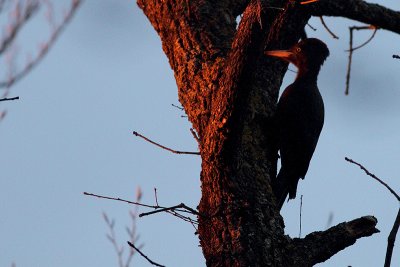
{"type": "Point", "coordinates": [308, 54]}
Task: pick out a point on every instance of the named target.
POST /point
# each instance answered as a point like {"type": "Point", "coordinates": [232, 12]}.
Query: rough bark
{"type": "Point", "coordinates": [362, 11]}
{"type": "Point", "coordinates": [229, 91]}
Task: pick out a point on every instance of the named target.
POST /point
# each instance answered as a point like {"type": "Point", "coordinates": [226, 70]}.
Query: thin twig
{"type": "Point", "coordinates": [23, 14]}
{"type": "Point", "coordinates": [112, 238]}
{"type": "Point", "coordinates": [308, 2]}
{"type": "Point", "coordinates": [195, 135]}
{"type": "Point", "coordinates": [369, 39]}
{"type": "Point", "coordinates": [155, 195]}
{"type": "Point", "coordinates": [132, 231]}
{"type": "Point", "coordinates": [375, 177]}
{"type": "Point", "coordinates": [358, 28]}
{"type": "Point", "coordinates": [301, 208]}
{"type": "Point", "coordinates": [311, 27]}
{"type": "Point", "coordinates": [327, 28]}
{"type": "Point", "coordinates": [349, 62]}
{"type": "Point", "coordinates": [352, 49]}
{"type": "Point", "coordinates": [182, 217]}
{"type": "Point", "coordinates": [391, 240]}
{"type": "Point", "coordinates": [120, 199]}
{"type": "Point", "coordinates": [395, 228]}
{"type": "Point", "coordinates": [9, 99]}
{"type": "Point", "coordinates": [180, 206]}
{"type": "Point", "coordinates": [178, 107]}
{"type": "Point", "coordinates": [45, 47]}
{"type": "Point", "coordinates": [144, 256]}
{"type": "Point", "coordinates": [175, 213]}
{"type": "Point", "coordinates": [164, 147]}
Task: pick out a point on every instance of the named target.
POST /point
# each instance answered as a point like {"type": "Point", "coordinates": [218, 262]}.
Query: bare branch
{"type": "Point", "coordinates": [370, 27]}
{"type": "Point", "coordinates": [327, 28]}
{"type": "Point", "coordinates": [180, 206]}
{"type": "Point", "coordinates": [395, 228]}
{"type": "Point", "coordinates": [178, 107]}
{"type": "Point", "coordinates": [375, 177]}
{"type": "Point", "coordinates": [311, 27]}
{"type": "Point", "coordinates": [319, 246]}
{"type": "Point", "coordinates": [301, 209]}
{"type": "Point", "coordinates": [352, 49]}
{"type": "Point", "coordinates": [111, 236]}
{"type": "Point", "coordinates": [45, 47]}
{"type": "Point", "coordinates": [391, 240]}
{"type": "Point", "coordinates": [396, 56]}
{"type": "Point", "coordinates": [9, 99]}
{"type": "Point", "coordinates": [22, 15]}
{"type": "Point", "coordinates": [349, 62]}
{"type": "Point", "coordinates": [362, 11]}
{"type": "Point", "coordinates": [155, 196]}
{"type": "Point", "coordinates": [171, 210]}
{"type": "Point", "coordinates": [144, 256]}
{"type": "Point", "coordinates": [195, 135]}
{"type": "Point", "coordinates": [119, 199]}
{"type": "Point", "coordinates": [164, 147]}
{"type": "Point", "coordinates": [133, 237]}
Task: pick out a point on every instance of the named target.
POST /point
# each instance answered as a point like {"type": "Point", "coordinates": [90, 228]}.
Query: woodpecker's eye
{"type": "Point", "coordinates": [298, 49]}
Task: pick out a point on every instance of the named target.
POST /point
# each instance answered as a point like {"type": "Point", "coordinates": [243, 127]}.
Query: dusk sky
{"type": "Point", "coordinates": [71, 131]}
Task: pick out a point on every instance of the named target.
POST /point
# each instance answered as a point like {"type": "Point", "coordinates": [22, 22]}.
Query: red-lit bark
{"type": "Point", "coordinates": [229, 91]}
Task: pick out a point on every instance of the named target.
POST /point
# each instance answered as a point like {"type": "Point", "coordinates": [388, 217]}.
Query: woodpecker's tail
{"type": "Point", "coordinates": [284, 184]}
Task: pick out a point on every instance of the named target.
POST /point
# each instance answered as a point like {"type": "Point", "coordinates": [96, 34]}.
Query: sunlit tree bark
{"type": "Point", "coordinates": [229, 91]}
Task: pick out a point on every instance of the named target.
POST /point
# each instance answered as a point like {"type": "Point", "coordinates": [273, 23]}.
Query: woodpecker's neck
{"type": "Point", "coordinates": [308, 74]}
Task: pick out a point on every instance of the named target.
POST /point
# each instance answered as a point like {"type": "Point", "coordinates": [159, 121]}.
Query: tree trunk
{"type": "Point", "coordinates": [229, 91]}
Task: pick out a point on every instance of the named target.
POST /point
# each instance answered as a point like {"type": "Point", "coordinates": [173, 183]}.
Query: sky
{"type": "Point", "coordinates": [71, 131]}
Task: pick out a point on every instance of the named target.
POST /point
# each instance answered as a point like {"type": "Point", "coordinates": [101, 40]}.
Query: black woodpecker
{"type": "Point", "coordinates": [299, 116]}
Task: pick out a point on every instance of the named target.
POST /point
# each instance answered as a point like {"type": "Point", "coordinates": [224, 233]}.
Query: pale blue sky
{"type": "Point", "coordinates": [107, 75]}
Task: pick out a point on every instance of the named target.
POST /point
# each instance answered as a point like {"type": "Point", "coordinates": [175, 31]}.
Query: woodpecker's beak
{"type": "Point", "coordinates": [283, 54]}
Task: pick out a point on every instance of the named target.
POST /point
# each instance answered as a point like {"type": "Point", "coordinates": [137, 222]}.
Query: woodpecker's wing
{"type": "Point", "coordinates": [300, 117]}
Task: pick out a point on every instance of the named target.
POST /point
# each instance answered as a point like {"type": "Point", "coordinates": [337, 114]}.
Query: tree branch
{"type": "Point", "coordinates": [391, 240]}
{"type": "Point", "coordinates": [9, 99]}
{"type": "Point", "coordinates": [180, 206]}
{"type": "Point", "coordinates": [247, 47]}
{"type": "Point", "coordinates": [375, 177]}
{"type": "Point", "coordinates": [260, 27]}
{"type": "Point", "coordinates": [144, 256]}
{"type": "Point", "coordinates": [327, 28]}
{"type": "Point", "coordinates": [395, 228]}
{"type": "Point", "coordinates": [229, 91]}
{"type": "Point", "coordinates": [175, 210]}
{"type": "Point", "coordinates": [319, 246]}
{"type": "Point", "coordinates": [362, 11]}
{"type": "Point", "coordinates": [23, 13]}
{"type": "Point", "coordinates": [164, 147]}
{"type": "Point", "coordinates": [44, 48]}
